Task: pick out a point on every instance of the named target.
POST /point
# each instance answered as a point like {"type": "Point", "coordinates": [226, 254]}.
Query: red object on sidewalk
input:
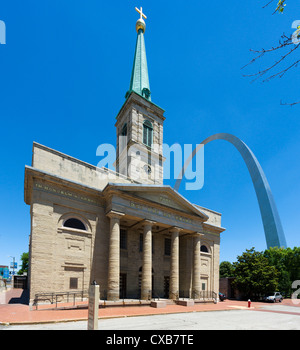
{"type": "Point", "coordinates": [249, 303]}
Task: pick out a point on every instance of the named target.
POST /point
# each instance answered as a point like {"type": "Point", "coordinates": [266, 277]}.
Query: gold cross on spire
{"type": "Point", "coordinates": [140, 11]}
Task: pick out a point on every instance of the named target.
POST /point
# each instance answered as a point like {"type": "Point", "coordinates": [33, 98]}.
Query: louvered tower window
{"type": "Point", "coordinates": [147, 133]}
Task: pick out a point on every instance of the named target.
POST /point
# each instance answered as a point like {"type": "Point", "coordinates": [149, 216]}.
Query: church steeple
{"type": "Point", "coordinates": [139, 82]}
{"type": "Point", "coordinates": [140, 123]}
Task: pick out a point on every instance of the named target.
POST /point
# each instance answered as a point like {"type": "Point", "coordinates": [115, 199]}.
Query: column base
{"type": "Point", "coordinates": [113, 296]}
{"type": "Point", "coordinates": [146, 295]}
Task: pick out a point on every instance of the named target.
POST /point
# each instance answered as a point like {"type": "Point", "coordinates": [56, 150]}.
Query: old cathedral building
{"type": "Point", "coordinates": [135, 236]}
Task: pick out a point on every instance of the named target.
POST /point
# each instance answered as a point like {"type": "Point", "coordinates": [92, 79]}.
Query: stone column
{"type": "Point", "coordinates": [146, 287]}
{"type": "Point", "coordinates": [196, 266]}
{"type": "Point", "coordinates": [174, 273]}
{"type": "Point", "coordinates": [113, 283]}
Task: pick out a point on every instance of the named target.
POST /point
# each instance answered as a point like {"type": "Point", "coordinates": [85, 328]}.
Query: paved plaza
{"type": "Point", "coordinates": [227, 315]}
{"type": "Point", "coordinates": [282, 319]}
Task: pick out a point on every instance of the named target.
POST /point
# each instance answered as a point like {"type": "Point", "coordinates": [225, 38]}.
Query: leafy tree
{"type": "Point", "coordinates": [24, 268]}
{"type": "Point", "coordinates": [287, 263]}
{"type": "Point", "coordinates": [226, 269]}
{"type": "Point", "coordinates": [254, 275]}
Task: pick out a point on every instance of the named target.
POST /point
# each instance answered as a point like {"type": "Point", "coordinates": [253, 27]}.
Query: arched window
{"type": "Point", "coordinates": [75, 223]}
{"type": "Point", "coordinates": [204, 249]}
{"type": "Point", "coordinates": [147, 133]}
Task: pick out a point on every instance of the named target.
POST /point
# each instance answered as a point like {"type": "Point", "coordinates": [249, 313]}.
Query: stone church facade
{"type": "Point", "coordinates": [134, 236]}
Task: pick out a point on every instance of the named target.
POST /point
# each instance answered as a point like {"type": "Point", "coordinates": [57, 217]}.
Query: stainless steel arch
{"type": "Point", "coordinates": [271, 221]}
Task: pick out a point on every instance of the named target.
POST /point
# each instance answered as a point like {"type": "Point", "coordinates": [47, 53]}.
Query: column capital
{"type": "Point", "coordinates": [175, 229]}
{"type": "Point", "coordinates": [148, 223]}
{"type": "Point", "coordinates": [197, 234]}
{"type": "Point", "coordinates": [114, 214]}
{"type": "Point", "coordinates": [140, 224]}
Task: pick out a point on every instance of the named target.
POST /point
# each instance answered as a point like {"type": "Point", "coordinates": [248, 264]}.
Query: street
{"type": "Point", "coordinates": [270, 317]}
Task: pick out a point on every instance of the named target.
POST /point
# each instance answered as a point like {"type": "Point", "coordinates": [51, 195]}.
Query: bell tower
{"type": "Point", "coordinates": [140, 122]}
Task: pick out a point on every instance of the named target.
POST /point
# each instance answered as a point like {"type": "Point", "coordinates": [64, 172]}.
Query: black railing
{"type": "Point", "coordinates": [66, 297]}
{"type": "Point", "coordinates": [154, 295]}
{"type": "Point", "coordinates": [203, 295]}
{"type": "Point", "coordinates": [59, 297]}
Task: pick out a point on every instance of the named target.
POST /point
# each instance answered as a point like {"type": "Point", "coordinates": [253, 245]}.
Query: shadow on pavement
{"type": "Point", "coordinates": [22, 299]}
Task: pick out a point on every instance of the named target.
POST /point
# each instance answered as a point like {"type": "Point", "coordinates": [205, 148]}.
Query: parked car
{"type": "Point", "coordinates": [273, 297]}
{"type": "Point", "coordinates": [222, 296]}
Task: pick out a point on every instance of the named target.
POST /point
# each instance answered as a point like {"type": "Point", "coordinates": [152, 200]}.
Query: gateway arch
{"type": "Point", "coordinates": [271, 221]}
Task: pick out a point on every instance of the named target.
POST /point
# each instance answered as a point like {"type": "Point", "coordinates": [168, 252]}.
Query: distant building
{"type": "Point", "coordinates": [4, 271]}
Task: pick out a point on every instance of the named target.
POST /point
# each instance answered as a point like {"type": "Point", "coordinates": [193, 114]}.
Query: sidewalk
{"type": "Point", "coordinates": [14, 312]}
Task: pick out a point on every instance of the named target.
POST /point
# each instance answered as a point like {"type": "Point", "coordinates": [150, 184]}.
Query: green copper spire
{"type": "Point", "coordinates": [139, 82]}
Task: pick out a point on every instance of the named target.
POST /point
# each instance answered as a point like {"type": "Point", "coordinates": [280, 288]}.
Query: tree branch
{"type": "Point", "coordinates": [268, 4]}
{"type": "Point", "coordinates": [289, 104]}
{"type": "Point", "coordinates": [284, 42]}
{"type": "Point", "coordinates": [281, 73]}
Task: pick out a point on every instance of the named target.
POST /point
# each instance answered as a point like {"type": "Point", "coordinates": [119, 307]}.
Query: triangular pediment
{"type": "Point", "coordinates": [162, 195]}
{"type": "Point", "coordinates": [163, 199]}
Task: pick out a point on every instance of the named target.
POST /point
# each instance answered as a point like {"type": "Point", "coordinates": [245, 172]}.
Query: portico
{"type": "Point", "coordinates": [153, 222]}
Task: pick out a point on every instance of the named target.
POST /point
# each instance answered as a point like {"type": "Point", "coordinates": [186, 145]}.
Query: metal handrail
{"type": "Point", "coordinates": [52, 297]}
{"type": "Point", "coordinates": [205, 294]}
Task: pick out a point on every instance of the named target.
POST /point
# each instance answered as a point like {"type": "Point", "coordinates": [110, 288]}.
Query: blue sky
{"type": "Point", "coordinates": [65, 70]}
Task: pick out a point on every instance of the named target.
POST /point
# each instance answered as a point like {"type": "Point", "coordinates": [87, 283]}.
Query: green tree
{"type": "Point", "coordinates": [24, 268]}
{"type": "Point", "coordinates": [254, 275]}
{"type": "Point", "coordinates": [287, 263]}
{"type": "Point", "coordinates": [226, 269]}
